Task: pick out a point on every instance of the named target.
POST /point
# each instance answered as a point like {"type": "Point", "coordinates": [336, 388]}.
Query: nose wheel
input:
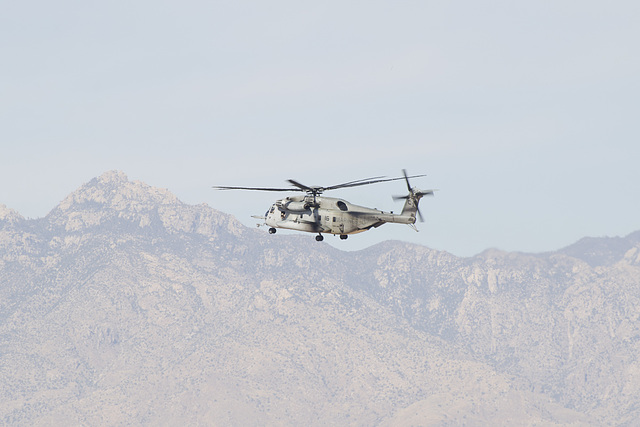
{"type": "Point", "coordinates": [343, 237]}
{"type": "Point", "coordinates": [319, 238]}
{"type": "Point", "coordinates": [272, 230]}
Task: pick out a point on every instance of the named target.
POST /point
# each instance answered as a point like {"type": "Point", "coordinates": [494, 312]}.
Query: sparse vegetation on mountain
{"type": "Point", "coordinates": [126, 306]}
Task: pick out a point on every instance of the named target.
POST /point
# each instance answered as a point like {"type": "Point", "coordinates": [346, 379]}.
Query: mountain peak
{"type": "Point", "coordinates": [113, 190]}
{"type": "Point", "coordinates": [113, 176]}
{"type": "Point", "coordinates": [113, 199]}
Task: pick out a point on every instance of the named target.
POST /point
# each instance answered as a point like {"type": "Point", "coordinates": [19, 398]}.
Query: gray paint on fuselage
{"type": "Point", "coordinates": [329, 215]}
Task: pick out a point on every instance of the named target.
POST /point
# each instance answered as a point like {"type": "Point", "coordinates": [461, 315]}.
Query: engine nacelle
{"type": "Point", "coordinates": [293, 207]}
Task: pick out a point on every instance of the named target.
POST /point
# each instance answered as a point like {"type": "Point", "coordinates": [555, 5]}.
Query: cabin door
{"type": "Point", "coordinates": [337, 223]}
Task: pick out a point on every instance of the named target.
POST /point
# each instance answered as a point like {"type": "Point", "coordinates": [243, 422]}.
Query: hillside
{"type": "Point", "coordinates": [126, 306]}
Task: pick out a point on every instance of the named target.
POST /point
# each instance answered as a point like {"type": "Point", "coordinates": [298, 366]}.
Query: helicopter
{"type": "Point", "coordinates": [315, 213]}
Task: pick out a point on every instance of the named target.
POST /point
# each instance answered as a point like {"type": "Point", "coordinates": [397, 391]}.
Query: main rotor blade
{"type": "Point", "coordinates": [300, 186]}
{"type": "Point", "coordinates": [419, 215]}
{"type": "Point", "coordinates": [254, 188]}
{"type": "Point", "coordinates": [367, 182]}
{"type": "Point", "coordinates": [318, 190]}
{"type": "Point", "coordinates": [361, 180]}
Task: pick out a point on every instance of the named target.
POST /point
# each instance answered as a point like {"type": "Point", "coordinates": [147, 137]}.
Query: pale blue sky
{"type": "Point", "coordinates": [523, 114]}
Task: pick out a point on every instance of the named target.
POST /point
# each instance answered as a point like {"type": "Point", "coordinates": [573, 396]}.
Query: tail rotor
{"type": "Point", "coordinates": [413, 198]}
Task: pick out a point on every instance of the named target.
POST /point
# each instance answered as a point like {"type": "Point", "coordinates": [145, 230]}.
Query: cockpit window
{"type": "Point", "coordinates": [342, 206]}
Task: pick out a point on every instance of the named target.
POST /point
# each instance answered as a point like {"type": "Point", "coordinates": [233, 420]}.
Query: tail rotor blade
{"type": "Point", "coordinates": [406, 178]}
{"type": "Point", "coordinates": [416, 194]}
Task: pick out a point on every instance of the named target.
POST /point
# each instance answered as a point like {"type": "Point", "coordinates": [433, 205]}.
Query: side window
{"type": "Point", "coordinates": [342, 205]}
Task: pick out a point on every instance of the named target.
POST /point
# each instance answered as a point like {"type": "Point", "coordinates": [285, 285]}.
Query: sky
{"type": "Point", "coordinates": [524, 115]}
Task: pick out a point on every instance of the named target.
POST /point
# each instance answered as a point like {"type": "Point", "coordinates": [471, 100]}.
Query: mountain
{"type": "Point", "coordinates": [602, 251]}
{"type": "Point", "coordinates": [126, 306]}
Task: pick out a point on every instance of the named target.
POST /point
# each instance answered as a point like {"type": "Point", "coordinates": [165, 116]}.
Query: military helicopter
{"type": "Point", "coordinates": [314, 213]}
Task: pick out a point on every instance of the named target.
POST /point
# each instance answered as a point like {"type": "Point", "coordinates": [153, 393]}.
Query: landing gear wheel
{"type": "Point", "coordinates": [343, 237]}
{"type": "Point", "coordinates": [319, 238]}
{"type": "Point", "coordinates": [272, 230]}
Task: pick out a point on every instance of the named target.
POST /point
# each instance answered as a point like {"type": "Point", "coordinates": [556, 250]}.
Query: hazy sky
{"type": "Point", "coordinates": [524, 114]}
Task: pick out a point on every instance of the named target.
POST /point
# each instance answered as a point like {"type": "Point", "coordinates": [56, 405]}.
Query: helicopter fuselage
{"type": "Point", "coordinates": [320, 214]}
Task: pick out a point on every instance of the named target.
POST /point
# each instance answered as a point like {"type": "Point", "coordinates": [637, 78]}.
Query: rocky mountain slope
{"type": "Point", "coordinates": [126, 306]}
